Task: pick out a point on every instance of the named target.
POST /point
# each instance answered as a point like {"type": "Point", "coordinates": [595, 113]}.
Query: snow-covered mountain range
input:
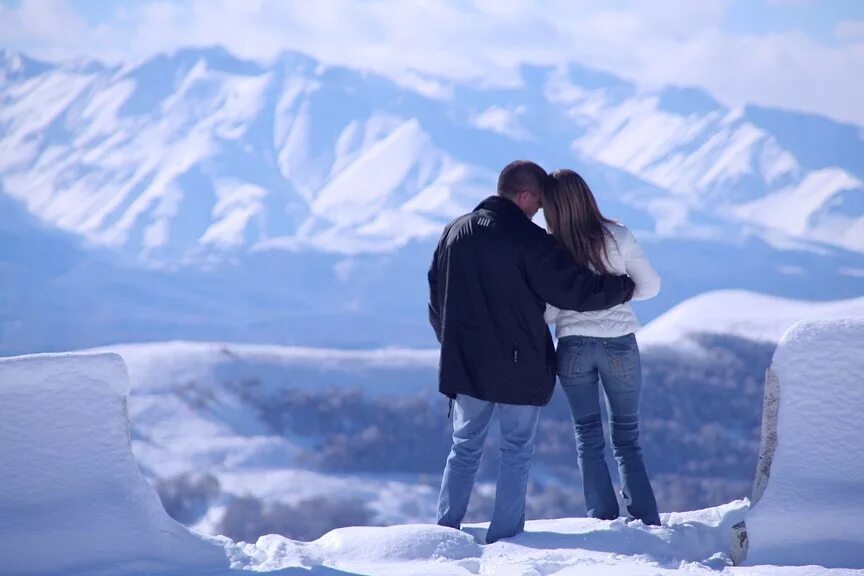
{"type": "Point", "coordinates": [198, 195]}
{"type": "Point", "coordinates": [202, 150]}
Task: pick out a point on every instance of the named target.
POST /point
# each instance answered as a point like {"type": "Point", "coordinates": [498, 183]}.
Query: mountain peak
{"type": "Point", "coordinates": [687, 100]}
{"type": "Point", "coordinates": [216, 57]}
{"type": "Point", "coordinates": [15, 65]}
{"type": "Point", "coordinates": [593, 79]}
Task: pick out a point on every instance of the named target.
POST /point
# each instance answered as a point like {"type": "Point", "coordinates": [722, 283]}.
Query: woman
{"type": "Point", "coordinates": [601, 346]}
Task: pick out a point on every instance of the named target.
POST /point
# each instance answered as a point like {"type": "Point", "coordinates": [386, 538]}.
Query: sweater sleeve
{"type": "Point", "coordinates": [639, 268]}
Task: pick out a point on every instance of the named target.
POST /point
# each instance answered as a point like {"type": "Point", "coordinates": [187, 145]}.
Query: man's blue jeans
{"type": "Point", "coordinates": [471, 419]}
{"type": "Point", "coordinates": [582, 363]}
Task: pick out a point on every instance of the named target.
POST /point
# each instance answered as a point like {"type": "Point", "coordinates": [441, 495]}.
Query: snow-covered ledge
{"type": "Point", "coordinates": [808, 496]}
{"type": "Point", "coordinates": [72, 499]}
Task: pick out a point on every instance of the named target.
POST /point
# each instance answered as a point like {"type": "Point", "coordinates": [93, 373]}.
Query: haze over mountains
{"type": "Point", "coordinates": [200, 196]}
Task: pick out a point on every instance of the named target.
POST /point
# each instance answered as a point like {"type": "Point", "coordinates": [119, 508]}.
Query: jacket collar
{"type": "Point", "coordinates": [502, 206]}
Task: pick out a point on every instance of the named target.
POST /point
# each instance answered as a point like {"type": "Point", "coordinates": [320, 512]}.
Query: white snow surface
{"type": "Point", "coordinates": [811, 510]}
{"type": "Point", "coordinates": [739, 313]}
{"type": "Point", "coordinates": [71, 496]}
{"type": "Point", "coordinates": [72, 502]}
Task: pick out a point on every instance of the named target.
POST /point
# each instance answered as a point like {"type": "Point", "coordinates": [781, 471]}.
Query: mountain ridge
{"type": "Point", "coordinates": [279, 126]}
{"type": "Point", "coordinates": [271, 202]}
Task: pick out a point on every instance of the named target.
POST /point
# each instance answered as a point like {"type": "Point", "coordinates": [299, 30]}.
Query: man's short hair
{"type": "Point", "coordinates": [520, 175]}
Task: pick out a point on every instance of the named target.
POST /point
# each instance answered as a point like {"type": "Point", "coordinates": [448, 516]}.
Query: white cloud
{"type": "Point", "coordinates": [657, 43]}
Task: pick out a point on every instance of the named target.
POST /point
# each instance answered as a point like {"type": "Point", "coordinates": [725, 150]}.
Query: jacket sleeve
{"type": "Point", "coordinates": [559, 280]}
{"type": "Point", "coordinates": [639, 268]}
{"type": "Point", "coordinates": [434, 311]}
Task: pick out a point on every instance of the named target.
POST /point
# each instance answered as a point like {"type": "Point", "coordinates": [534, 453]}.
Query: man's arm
{"type": "Point", "coordinates": [560, 281]}
{"type": "Point", "coordinates": [434, 312]}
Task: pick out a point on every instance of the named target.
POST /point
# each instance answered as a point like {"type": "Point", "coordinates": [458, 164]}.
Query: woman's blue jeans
{"type": "Point", "coordinates": [583, 363]}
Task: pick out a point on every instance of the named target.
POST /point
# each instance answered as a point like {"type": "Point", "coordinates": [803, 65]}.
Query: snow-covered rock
{"type": "Point", "coordinates": [72, 499]}
{"type": "Point", "coordinates": [808, 501]}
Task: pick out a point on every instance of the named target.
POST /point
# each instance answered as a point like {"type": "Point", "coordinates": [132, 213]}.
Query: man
{"type": "Point", "coordinates": [491, 276]}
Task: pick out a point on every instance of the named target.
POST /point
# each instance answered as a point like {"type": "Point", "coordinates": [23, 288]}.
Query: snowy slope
{"type": "Point", "coordinates": [202, 152]}
{"type": "Point", "coordinates": [740, 313]}
{"type": "Point", "coordinates": [710, 156]}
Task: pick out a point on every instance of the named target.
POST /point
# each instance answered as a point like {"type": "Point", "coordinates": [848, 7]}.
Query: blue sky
{"type": "Point", "coordinates": [816, 19]}
{"type": "Point", "coordinates": [797, 54]}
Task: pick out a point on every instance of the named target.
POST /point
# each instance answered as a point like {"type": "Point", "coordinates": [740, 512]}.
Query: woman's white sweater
{"type": "Point", "coordinates": [624, 256]}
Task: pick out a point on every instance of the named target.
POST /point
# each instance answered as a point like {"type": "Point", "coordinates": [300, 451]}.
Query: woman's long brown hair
{"type": "Point", "coordinates": [573, 217]}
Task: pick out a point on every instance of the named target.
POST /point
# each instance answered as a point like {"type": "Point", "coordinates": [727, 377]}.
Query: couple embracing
{"type": "Point", "coordinates": [495, 282]}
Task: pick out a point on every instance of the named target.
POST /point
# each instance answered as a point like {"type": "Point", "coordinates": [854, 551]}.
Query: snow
{"type": "Point", "coordinates": [238, 204]}
{"type": "Point", "coordinates": [504, 121]}
{"type": "Point", "coordinates": [73, 502]}
{"type": "Point", "coordinates": [361, 190]}
{"type": "Point", "coordinates": [739, 313]}
{"type": "Point", "coordinates": [811, 508]}
{"type": "Point", "coordinates": [719, 161]}
{"type": "Point", "coordinates": [687, 155]}
{"type": "Point", "coordinates": [347, 175]}
{"type": "Point", "coordinates": [791, 209]}
{"type": "Point", "coordinates": [72, 498]}
{"type": "Point", "coordinates": [688, 542]}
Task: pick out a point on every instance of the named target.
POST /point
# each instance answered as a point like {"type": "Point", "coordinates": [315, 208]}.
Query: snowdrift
{"type": "Point", "coordinates": [807, 501]}
{"type": "Point", "coordinates": [72, 499]}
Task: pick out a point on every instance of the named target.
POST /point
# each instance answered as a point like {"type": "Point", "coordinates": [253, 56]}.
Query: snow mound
{"type": "Point", "coordinates": [740, 313]}
{"type": "Point", "coordinates": [72, 499]}
{"type": "Point", "coordinates": [411, 542]}
{"type": "Point", "coordinates": [690, 541]}
{"type": "Point", "coordinates": [812, 463]}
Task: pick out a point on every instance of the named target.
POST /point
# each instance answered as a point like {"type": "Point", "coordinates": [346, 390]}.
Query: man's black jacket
{"type": "Point", "coordinates": [491, 276]}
